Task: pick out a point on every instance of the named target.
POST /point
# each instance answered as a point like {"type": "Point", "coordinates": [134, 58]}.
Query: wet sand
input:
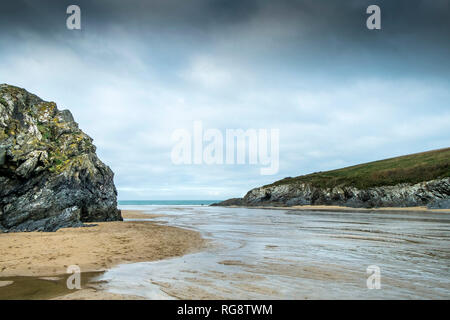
{"type": "Point", "coordinates": [326, 208]}
{"type": "Point", "coordinates": [296, 254]}
{"type": "Point", "coordinates": [138, 215]}
{"type": "Point", "coordinates": [38, 259]}
{"type": "Point", "coordinates": [287, 253]}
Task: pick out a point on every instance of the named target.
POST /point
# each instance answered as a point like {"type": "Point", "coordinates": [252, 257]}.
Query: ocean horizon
{"type": "Point", "coordinates": [167, 202]}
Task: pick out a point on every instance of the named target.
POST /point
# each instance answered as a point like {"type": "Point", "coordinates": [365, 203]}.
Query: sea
{"type": "Point", "coordinates": [167, 202]}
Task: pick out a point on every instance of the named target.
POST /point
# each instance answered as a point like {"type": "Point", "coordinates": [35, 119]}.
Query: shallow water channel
{"type": "Point", "coordinates": [287, 254]}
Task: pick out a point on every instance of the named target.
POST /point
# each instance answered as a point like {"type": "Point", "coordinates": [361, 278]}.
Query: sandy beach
{"type": "Point", "coordinates": [33, 265]}
{"type": "Point", "coordinates": [95, 248]}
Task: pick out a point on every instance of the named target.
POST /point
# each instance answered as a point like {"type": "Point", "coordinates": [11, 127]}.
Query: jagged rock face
{"type": "Point", "coordinates": [50, 176]}
{"type": "Point", "coordinates": [434, 194]}
{"type": "Point", "coordinates": [402, 195]}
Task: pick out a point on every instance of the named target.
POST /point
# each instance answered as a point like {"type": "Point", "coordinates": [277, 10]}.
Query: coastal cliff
{"type": "Point", "coordinates": [421, 179]}
{"type": "Point", "coordinates": [50, 175]}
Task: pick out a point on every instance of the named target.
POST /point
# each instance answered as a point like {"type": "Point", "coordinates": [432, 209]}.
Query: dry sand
{"type": "Point", "coordinates": [95, 248]}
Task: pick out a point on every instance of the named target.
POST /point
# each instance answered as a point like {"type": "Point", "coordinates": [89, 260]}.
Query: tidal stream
{"type": "Point", "coordinates": [287, 254]}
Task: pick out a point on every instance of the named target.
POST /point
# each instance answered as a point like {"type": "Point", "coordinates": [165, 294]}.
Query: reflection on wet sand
{"type": "Point", "coordinates": [284, 254]}
{"type": "Point", "coordinates": [39, 288]}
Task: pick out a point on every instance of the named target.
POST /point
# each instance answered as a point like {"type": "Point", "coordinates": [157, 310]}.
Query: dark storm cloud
{"type": "Point", "coordinates": [45, 16]}
{"type": "Point", "coordinates": [342, 18]}
{"type": "Point", "coordinates": [327, 34]}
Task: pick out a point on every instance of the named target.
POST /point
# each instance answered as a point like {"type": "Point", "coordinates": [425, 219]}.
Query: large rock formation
{"type": "Point", "coordinates": [50, 176]}
{"type": "Point", "coordinates": [434, 194]}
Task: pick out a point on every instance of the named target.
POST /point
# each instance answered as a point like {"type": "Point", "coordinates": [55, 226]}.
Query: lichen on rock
{"type": "Point", "coordinates": [50, 175]}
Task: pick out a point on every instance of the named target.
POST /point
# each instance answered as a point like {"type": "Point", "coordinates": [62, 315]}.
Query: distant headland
{"type": "Point", "coordinates": [421, 179]}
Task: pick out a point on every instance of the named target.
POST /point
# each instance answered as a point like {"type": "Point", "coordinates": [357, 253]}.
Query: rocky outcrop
{"type": "Point", "coordinates": [434, 194]}
{"type": "Point", "coordinates": [50, 176]}
{"type": "Point", "coordinates": [229, 202]}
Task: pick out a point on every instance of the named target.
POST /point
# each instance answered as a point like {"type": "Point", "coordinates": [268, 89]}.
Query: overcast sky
{"type": "Point", "coordinates": [138, 70]}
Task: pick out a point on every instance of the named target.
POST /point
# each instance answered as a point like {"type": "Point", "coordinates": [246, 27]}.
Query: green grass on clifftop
{"type": "Point", "coordinates": [411, 168]}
